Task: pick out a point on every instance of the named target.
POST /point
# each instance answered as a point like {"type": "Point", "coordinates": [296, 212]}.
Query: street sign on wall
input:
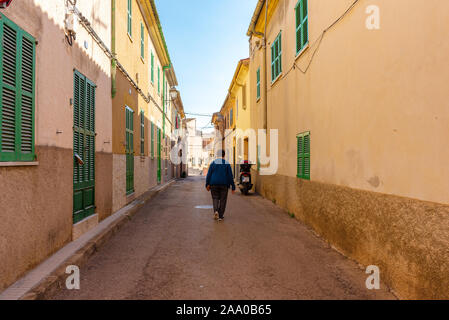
{"type": "Point", "coordinates": [4, 3]}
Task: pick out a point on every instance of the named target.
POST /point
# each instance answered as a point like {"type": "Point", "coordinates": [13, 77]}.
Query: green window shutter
{"type": "Point", "coordinates": [303, 160]}
{"type": "Point", "coordinates": [130, 18]}
{"type": "Point", "coordinates": [152, 140]}
{"type": "Point", "coordinates": [158, 80]}
{"type": "Point", "coordinates": [300, 156]}
{"type": "Point", "coordinates": [306, 174]}
{"type": "Point", "coordinates": [258, 83]}
{"type": "Point", "coordinates": [302, 27]}
{"type": "Point", "coordinates": [129, 150]}
{"type": "Point", "coordinates": [17, 93]}
{"type": "Point", "coordinates": [142, 41]}
{"type": "Point", "coordinates": [152, 67]}
{"type": "Point", "coordinates": [90, 131]}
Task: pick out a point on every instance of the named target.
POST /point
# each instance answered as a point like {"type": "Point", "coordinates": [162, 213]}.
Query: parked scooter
{"type": "Point", "coordinates": [245, 183]}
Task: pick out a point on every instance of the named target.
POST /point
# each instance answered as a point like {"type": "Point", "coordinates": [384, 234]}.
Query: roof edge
{"type": "Point", "coordinates": [255, 17]}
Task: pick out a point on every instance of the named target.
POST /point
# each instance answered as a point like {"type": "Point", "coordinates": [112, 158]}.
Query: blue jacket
{"type": "Point", "coordinates": [220, 173]}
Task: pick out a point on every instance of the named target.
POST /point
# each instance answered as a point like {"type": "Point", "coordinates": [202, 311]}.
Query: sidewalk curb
{"type": "Point", "coordinates": [55, 273]}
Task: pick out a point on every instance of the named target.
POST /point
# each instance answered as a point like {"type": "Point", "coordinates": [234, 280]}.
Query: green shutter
{"type": "Point", "coordinates": [303, 159]}
{"type": "Point", "coordinates": [152, 140]}
{"type": "Point", "coordinates": [152, 67]}
{"type": "Point", "coordinates": [84, 147]}
{"type": "Point", "coordinates": [302, 27]}
{"type": "Point", "coordinates": [17, 92]}
{"type": "Point", "coordinates": [276, 57]}
{"type": "Point", "coordinates": [129, 150]}
{"type": "Point", "coordinates": [159, 156]}
{"type": "Point", "coordinates": [258, 83]}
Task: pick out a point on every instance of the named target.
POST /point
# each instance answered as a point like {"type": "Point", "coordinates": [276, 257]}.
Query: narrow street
{"type": "Point", "coordinates": [172, 250]}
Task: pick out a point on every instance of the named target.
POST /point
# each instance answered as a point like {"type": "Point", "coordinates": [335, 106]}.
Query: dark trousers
{"type": "Point", "coordinates": [219, 197]}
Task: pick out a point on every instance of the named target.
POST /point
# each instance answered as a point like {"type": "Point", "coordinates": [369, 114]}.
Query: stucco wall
{"type": "Point", "coordinates": [407, 239]}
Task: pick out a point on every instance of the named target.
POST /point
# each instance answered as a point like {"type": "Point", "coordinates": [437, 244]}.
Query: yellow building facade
{"type": "Point", "coordinates": [360, 109]}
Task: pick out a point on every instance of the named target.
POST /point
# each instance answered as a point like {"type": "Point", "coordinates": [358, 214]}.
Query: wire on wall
{"type": "Point", "coordinates": [317, 43]}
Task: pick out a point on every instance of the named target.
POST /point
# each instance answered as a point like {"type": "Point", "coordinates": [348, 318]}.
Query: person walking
{"type": "Point", "coordinates": [218, 181]}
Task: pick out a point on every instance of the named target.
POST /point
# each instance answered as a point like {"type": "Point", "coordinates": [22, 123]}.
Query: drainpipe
{"type": "Point", "coordinates": [113, 60]}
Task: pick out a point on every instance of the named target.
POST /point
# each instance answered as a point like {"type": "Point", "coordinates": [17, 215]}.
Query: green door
{"type": "Point", "coordinates": [129, 151]}
{"type": "Point", "coordinates": [83, 148]}
{"type": "Point", "coordinates": [159, 164]}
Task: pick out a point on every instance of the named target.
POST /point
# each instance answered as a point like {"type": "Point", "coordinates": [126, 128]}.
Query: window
{"type": "Point", "coordinates": [17, 90]}
{"type": "Point", "coordinates": [152, 68]}
{"type": "Point", "coordinates": [142, 133]}
{"type": "Point", "coordinates": [152, 140]}
{"type": "Point", "coordinates": [130, 18]}
{"type": "Point", "coordinates": [303, 160]}
{"type": "Point", "coordinates": [158, 80]}
{"type": "Point", "coordinates": [231, 117]}
{"type": "Point", "coordinates": [302, 28]}
{"type": "Point", "coordinates": [258, 83]}
{"type": "Point", "coordinates": [276, 58]}
{"type": "Point", "coordinates": [142, 41]}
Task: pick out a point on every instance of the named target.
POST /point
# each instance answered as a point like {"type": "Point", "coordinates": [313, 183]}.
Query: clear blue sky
{"type": "Point", "coordinates": [206, 39]}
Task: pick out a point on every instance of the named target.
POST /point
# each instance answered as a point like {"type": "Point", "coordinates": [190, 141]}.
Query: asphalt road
{"type": "Point", "coordinates": [172, 250]}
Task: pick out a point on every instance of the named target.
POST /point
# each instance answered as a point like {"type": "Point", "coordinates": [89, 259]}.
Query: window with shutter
{"type": "Point", "coordinates": [152, 140]}
{"type": "Point", "coordinates": [158, 80]}
{"type": "Point", "coordinates": [17, 93]}
{"type": "Point", "coordinates": [152, 68]}
{"type": "Point", "coordinates": [303, 156]}
{"type": "Point", "coordinates": [302, 27]}
{"type": "Point", "coordinates": [83, 147]}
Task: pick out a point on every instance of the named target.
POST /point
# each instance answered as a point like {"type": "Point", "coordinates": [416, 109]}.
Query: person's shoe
{"type": "Point", "coordinates": [216, 215]}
